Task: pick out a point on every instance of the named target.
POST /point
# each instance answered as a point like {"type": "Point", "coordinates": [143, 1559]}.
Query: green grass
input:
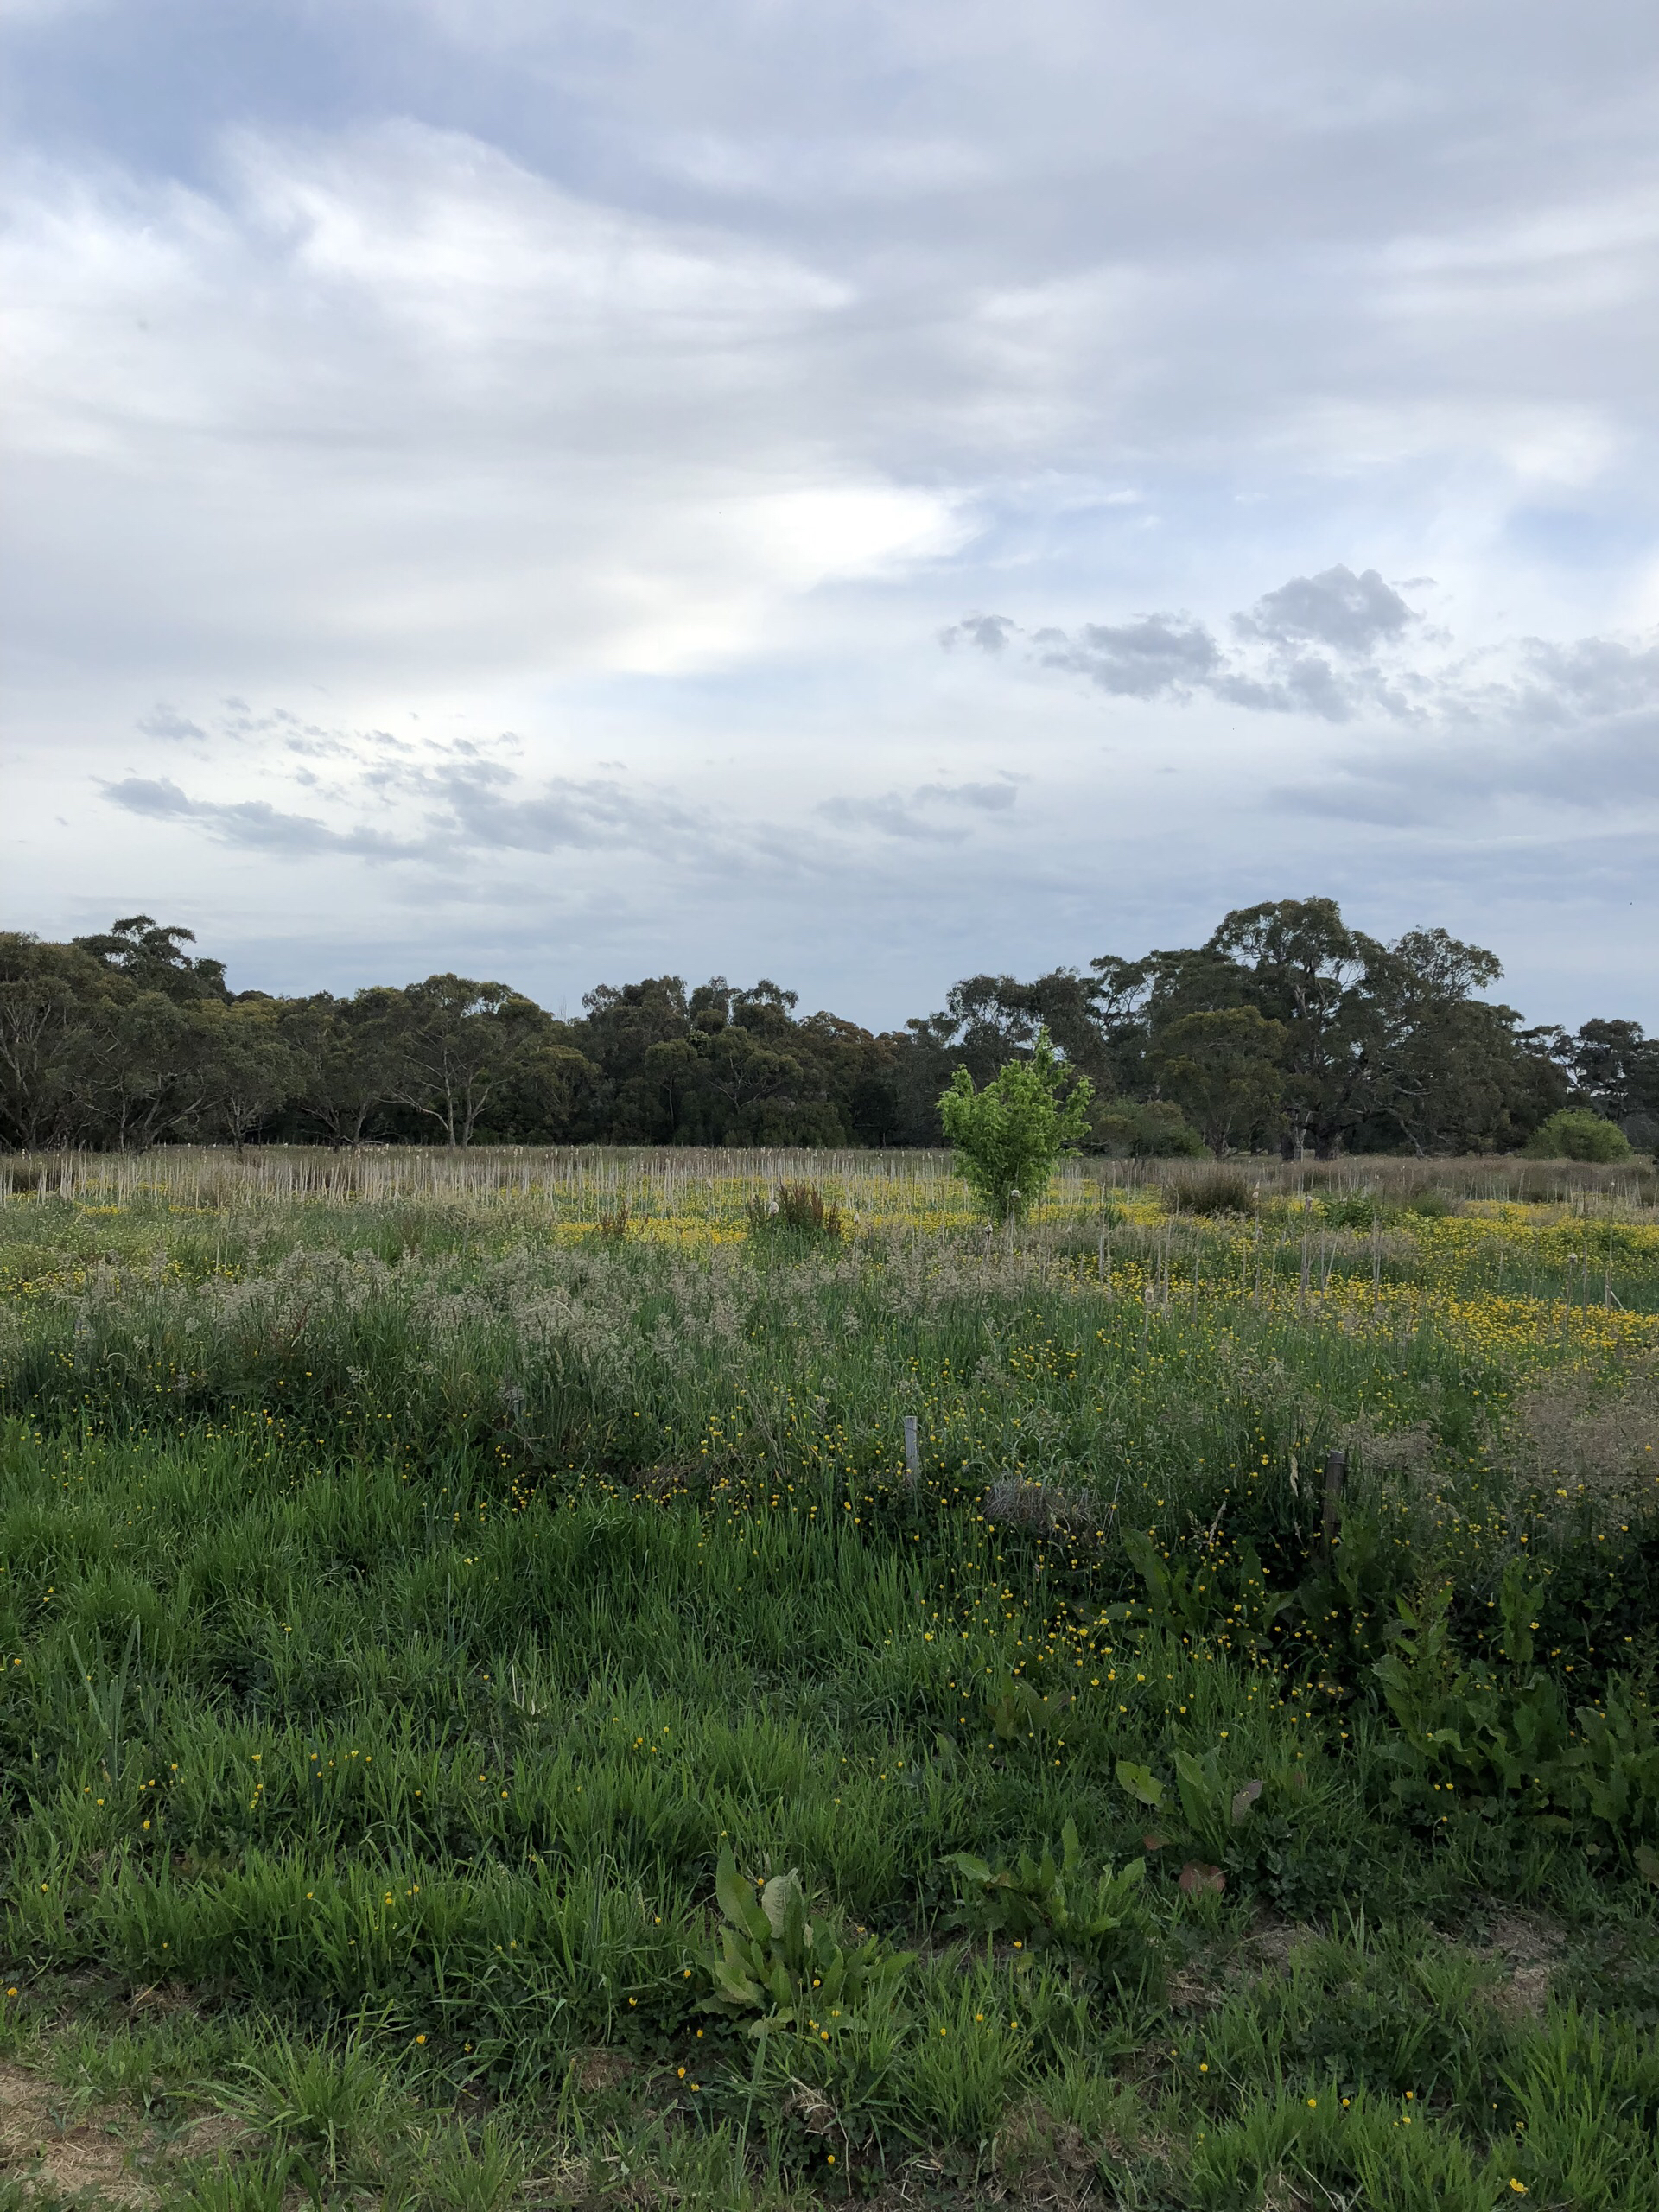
{"type": "Point", "coordinates": [402, 1606]}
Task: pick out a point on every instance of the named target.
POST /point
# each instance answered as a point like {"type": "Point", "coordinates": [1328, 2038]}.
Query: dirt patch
{"type": "Point", "coordinates": [1268, 1946]}
{"type": "Point", "coordinates": [1207, 1982]}
{"type": "Point", "coordinates": [1524, 1938]}
{"type": "Point", "coordinates": [1046, 2161]}
{"type": "Point", "coordinates": [811, 2109]}
{"type": "Point", "coordinates": [1192, 1991]}
{"type": "Point", "coordinates": [215, 2135]}
{"type": "Point", "coordinates": [1527, 1948]}
{"type": "Point", "coordinates": [89, 2156]}
{"type": "Point", "coordinates": [51, 2143]}
{"type": "Point", "coordinates": [161, 1998]}
{"type": "Point", "coordinates": [1525, 1995]}
{"type": "Point", "coordinates": [596, 2070]}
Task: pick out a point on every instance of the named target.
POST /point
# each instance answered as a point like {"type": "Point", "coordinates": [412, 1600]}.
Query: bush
{"type": "Point", "coordinates": [1577, 1134]}
{"type": "Point", "coordinates": [1430, 1205]}
{"type": "Point", "coordinates": [1099, 1916]}
{"type": "Point", "coordinates": [1358, 1210]}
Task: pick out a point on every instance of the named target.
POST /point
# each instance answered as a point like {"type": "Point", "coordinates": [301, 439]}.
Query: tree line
{"type": "Point", "coordinates": [1286, 1030]}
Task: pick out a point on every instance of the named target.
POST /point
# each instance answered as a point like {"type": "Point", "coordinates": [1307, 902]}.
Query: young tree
{"type": "Point", "coordinates": [1009, 1135]}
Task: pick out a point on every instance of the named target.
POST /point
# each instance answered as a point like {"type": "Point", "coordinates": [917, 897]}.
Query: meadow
{"type": "Point", "coordinates": [573, 1679]}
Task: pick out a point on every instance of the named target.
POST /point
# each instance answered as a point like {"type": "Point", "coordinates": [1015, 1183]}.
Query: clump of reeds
{"type": "Point", "coordinates": [1219, 1191]}
{"type": "Point", "coordinates": [799, 1211]}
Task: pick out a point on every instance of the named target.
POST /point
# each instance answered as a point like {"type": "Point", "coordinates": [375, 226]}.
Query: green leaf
{"type": "Point", "coordinates": [775, 1897]}
{"type": "Point", "coordinates": [1141, 1783]}
{"type": "Point", "coordinates": [736, 1897]}
{"type": "Point", "coordinates": [969, 1868]}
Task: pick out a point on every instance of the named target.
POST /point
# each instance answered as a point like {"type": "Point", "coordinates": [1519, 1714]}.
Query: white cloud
{"type": "Point", "coordinates": [659, 385]}
{"type": "Point", "coordinates": [395, 396]}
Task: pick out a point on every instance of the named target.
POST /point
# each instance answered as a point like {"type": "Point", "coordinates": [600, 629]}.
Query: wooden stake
{"type": "Point", "coordinates": [1336, 1468]}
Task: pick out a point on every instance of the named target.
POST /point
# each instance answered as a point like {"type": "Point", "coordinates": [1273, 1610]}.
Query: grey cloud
{"type": "Point", "coordinates": [1592, 677]}
{"type": "Point", "coordinates": [1354, 798]}
{"type": "Point", "coordinates": [1350, 613]}
{"type": "Point", "coordinates": [1171, 657]}
{"type": "Point", "coordinates": [989, 798]}
{"type": "Point", "coordinates": [165, 721]}
{"type": "Point", "coordinates": [890, 814]}
{"type": "Point", "coordinates": [1609, 767]}
{"type": "Point", "coordinates": [991, 632]}
{"type": "Point", "coordinates": [1378, 659]}
{"type": "Point", "coordinates": [1307, 683]}
{"type": "Point", "coordinates": [1174, 657]}
{"type": "Point", "coordinates": [486, 806]}
{"type": "Point", "coordinates": [896, 816]}
{"type": "Point", "coordinates": [251, 823]}
{"type": "Point", "coordinates": [319, 745]}
{"type": "Point", "coordinates": [466, 809]}
{"type": "Point", "coordinates": [1161, 656]}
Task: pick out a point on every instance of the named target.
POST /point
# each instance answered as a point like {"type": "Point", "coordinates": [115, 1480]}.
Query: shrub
{"type": "Point", "coordinates": [1576, 1135]}
{"type": "Point", "coordinates": [1357, 1210]}
{"type": "Point", "coordinates": [1430, 1205]}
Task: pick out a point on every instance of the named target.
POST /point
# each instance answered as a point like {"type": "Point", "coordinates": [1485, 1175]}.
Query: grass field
{"type": "Point", "coordinates": [437, 1593]}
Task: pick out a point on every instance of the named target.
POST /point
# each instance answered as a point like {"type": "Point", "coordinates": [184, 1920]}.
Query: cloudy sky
{"type": "Point", "coordinates": [861, 491]}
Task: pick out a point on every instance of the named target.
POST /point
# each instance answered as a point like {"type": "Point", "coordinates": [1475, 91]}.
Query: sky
{"type": "Point", "coordinates": [857, 493]}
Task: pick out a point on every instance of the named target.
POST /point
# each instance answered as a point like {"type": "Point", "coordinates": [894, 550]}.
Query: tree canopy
{"type": "Point", "coordinates": [1287, 1029]}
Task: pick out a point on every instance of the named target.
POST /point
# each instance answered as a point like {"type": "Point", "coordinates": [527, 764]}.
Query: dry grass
{"type": "Point", "coordinates": [1571, 1435]}
{"type": "Point", "coordinates": [53, 2146]}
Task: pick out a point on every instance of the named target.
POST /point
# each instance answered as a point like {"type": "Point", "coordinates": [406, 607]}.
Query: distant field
{"type": "Point", "coordinates": [420, 1568]}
